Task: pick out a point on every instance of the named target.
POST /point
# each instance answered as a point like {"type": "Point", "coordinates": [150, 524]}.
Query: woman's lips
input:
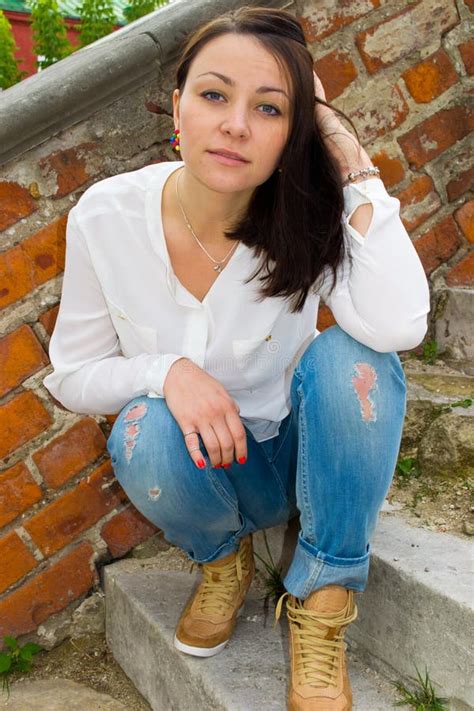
{"type": "Point", "coordinates": [227, 160]}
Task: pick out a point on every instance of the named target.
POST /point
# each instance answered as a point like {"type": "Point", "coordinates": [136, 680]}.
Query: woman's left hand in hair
{"type": "Point", "coordinates": [340, 142]}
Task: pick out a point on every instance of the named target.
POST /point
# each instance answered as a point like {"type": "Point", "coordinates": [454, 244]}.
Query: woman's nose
{"type": "Point", "coordinates": [236, 122]}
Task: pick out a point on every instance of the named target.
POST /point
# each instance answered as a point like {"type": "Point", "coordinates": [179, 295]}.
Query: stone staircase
{"type": "Point", "coordinates": [417, 608]}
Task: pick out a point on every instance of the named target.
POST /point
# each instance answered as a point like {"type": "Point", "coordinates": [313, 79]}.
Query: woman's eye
{"type": "Point", "coordinates": [206, 93]}
{"type": "Point", "coordinates": [216, 93]}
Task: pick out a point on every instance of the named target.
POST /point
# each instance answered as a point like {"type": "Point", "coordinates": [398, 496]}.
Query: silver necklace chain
{"type": "Point", "coordinates": [217, 262]}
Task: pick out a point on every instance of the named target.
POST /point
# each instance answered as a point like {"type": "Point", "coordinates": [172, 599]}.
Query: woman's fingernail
{"type": "Point", "coordinates": [201, 464]}
{"type": "Point", "coordinates": [218, 466]}
{"type": "Point", "coordinates": [242, 460]}
{"type": "Point", "coordinates": [226, 466]}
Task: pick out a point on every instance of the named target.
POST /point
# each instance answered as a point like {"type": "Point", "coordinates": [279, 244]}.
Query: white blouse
{"type": "Point", "coordinates": [124, 317]}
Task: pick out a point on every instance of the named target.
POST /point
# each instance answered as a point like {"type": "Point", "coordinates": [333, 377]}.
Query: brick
{"type": "Point", "coordinates": [16, 276]}
{"type": "Point", "coordinates": [438, 244]}
{"type": "Point", "coordinates": [48, 592]}
{"type": "Point", "coordinates": [48, 319]}
{"type": "Point", "coordinates": [466, 50]}
{"type": "Point", "coordinates": [46, 250]}
{"type": "Point", "coordinates": [18, 492]}
{"type": "Point", "coordinates": [327, 17]}
{"type": "Point", "coordinates": [434, 135]}
{"type": "Point", "coordinates": [405, 32]}
{"type": "Point", "coordinates": [69, 167]}
{"type": "Point", "coordinates": [15, 204]}
{"type": "Point", "coordinates": [380, 109]}
{"type": "Point", "coordinates": [15, 560]}
{"type": "Point", "coordinates": [64, 519]}
{"type": "Point", "coordinates": [430, 78]}
{"type": "Point", "coordinates": [462, 274]}
{"type": "Point", "coordinates": [391, 169]}
{"type": "Point", "coordinates": [325, 318]}
{"type": "Point", "coordinates": [336, 71]}
{"type": "Point", "coordinates": [21, 354]}
{"type": "Point", "coordinates": [21, 418]}
{"type": "Point", "coordinates": [69, 453]}
{"type": "Point", "coordinates": [461, 184]}
{"type": "Point", "coordinates": [126, 530]}
{"type": "Point", "coordinates": [465, 219]}
{"type": "Point", "coordinates": [418, 201]}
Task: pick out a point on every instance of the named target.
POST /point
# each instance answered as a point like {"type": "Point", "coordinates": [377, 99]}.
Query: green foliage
{"type": "Point", "coordinates": [422, 699]}
{"type": "Point", "coordinates": [9, 72]}
{"type": "Point", "coordinates": [139, 8]}
{"type": "Point", "coordinates": [273, 581]}
{"type": "Point", "coordinates": [408, 468]}
{"type": "Point", "coordinates": [441, 409]}
{"type": "Point", "coordinates": [17, 659]}
{"type": "Point", "coordinates": [97, 20]}
{"type": "Point", "coordinates": [50, 41]}
{"type": "Point", "coordinates": [430, 351]}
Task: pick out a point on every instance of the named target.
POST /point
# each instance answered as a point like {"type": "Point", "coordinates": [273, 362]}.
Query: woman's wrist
{"type": "Point", "coordinates": [349, 155]}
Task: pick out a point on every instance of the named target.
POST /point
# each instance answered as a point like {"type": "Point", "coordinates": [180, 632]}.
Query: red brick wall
{"type": "Point", "coordinates": [400, 71]}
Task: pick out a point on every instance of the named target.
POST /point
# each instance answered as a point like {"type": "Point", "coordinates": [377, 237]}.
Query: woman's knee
{"type": "Point", "coordinates": [336, 368]}
{"type": "Point", "coordinates": [144, 429]}
{"type": "Point", "coordinates": [334, 347]}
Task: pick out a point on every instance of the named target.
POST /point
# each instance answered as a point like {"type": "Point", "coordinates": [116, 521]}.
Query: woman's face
{"type": "Point", "coordinates": [240, 112]}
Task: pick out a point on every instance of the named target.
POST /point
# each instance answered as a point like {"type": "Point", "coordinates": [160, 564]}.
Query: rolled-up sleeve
{"type": "Point", "coordinates": [90, 375]}
{"type": "Point", "coordinates": [382, 294]}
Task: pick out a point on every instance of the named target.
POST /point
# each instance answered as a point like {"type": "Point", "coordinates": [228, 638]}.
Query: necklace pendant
{"type": "Point", "coordinates": [217, 268]}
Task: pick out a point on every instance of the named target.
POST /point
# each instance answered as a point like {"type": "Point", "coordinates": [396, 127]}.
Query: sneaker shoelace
{"type": "Point", "coordinates": [316, 658]}
{"type": "Point", "coordinates": [217, 590]}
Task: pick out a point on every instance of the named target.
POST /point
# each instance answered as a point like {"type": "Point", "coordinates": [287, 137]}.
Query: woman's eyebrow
{"type": "Point", "coordinates": [231, 82]}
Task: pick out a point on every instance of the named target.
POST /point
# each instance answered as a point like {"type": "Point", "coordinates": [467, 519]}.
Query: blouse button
{"type": "Point", "coordinates": [122, 316]}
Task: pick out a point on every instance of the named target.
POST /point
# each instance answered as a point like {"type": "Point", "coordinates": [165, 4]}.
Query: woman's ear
{"type": "Point", "coordinates": [176, 107]}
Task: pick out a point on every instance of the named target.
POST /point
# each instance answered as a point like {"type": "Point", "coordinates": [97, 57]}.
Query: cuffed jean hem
{"type": "Point", "coordinates": [229, 546]}
{"type": "Point", "coordinates": [312, 569]}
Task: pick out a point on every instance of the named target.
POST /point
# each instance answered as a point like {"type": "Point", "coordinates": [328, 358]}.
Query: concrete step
{"type": "Point", "coordinates": [417, 609]}
{"type": "Point", "coordinates": [251, 673]}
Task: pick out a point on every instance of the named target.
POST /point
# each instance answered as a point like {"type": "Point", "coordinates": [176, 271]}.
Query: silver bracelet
{"type": "Point", "coordinates": [363, 171]}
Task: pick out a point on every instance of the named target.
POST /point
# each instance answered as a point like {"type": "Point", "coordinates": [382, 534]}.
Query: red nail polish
{"type": "Point", "coordinates": [201, 463]}
{"type": "Point", "coordinates": [218, 466]}
{"type": "Point", "coordinates": [242, 460]}
{"type": "Point", "coordinates": [226, 466]}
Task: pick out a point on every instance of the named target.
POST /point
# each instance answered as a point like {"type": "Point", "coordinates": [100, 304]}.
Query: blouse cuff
{"type": "Point", "coordinates": [157, 372]}
{"type": "Point", "coordinates": [356, 194]}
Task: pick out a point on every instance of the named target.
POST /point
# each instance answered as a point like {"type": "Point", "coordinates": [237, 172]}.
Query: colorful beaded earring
{"type": "Point", "coordinates": [174, 140]}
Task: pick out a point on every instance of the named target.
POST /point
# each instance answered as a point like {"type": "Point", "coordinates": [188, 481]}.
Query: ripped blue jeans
{"type": "Point", "coordinates": [332, 462]}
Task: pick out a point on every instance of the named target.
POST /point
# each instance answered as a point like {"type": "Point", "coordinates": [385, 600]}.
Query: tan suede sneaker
{"type": "Point", "coordinates": [208, 620]}
{"type": "Point", "coordinates": [319, 676]}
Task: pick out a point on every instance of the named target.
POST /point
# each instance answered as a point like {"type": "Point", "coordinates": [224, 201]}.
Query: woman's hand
{"type": "Point", "coordinates": [323, 113]}
{"type": "Point", "coordinates": [199, 403]}
{"type": "Point", "coordinates": [342, 145]}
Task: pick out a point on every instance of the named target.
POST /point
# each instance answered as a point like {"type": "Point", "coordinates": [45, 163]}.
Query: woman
{"type": "Point", "coordinates": [235, 414]}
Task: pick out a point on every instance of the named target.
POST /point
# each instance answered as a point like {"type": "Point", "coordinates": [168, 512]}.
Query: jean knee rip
{"type": "Point", "coordinates": [132, 428]}
{"type": "Point", "coordinates": [364, 381]}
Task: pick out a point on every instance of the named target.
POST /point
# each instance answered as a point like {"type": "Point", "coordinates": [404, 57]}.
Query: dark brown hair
{"type": "Point", "coordinates": [294, 218]}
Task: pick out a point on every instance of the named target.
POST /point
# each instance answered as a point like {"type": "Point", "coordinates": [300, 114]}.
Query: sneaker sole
{"type": "Point", "coordinates": [203, 651]}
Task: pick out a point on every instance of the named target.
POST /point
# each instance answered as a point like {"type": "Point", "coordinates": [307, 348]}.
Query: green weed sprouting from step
{"type": "Point", "coordinates": [408, 468]}
{"type": "Point", "coordinates": [441, 409]}
{"type": "Point", "coordinates": [428, 352]}
{"type": "Point", "coordinates": [422, 699]}
{"type": "Point", "coordinates": [273, 581]}
{"type": "Point", "coordinates": [17, 659]}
